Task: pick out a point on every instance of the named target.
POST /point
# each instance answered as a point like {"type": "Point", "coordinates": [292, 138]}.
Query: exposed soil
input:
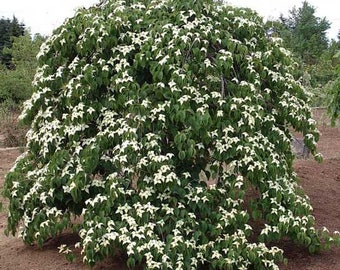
{"type": "Point", "coordinates": [320, 181]}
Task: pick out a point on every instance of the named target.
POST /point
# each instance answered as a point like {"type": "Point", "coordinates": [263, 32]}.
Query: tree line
{"type": "Point", "coordinates": [18, 50]}
{"type": "Point", "coordinates": [9, 28]}
{"type": "Point", "coordinates": [305, 35]}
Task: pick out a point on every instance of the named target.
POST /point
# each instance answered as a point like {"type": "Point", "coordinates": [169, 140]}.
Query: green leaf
{"type": "Point", "coordinates": [131, 262]}
{"type": "Point", "coordinates": [182, 155]}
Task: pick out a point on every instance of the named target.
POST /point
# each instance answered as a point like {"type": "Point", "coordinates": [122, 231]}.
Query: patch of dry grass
{"type": "Point", "coordinates": [12, 133]}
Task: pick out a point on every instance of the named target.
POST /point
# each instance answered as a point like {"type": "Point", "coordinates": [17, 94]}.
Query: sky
{"type": "Point", "coordinates": [42, 16]}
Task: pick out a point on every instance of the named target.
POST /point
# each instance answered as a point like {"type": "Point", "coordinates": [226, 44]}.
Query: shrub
{"type": "Point", "coordinates": [334, 101]}
{"type": "Point", "coordinates": [16, 83]}
{"type": "Point", "coordinates": [151, 120]}
{"type": "Point", "coordinates": [13, 132]}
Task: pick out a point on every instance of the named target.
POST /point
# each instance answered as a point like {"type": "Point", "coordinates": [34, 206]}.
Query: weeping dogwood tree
{"type": "Point", "coordinates": [165, 126]}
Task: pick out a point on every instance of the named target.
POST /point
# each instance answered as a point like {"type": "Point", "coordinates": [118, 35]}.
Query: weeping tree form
{"type": "Point", "coordinates": [152, 120]}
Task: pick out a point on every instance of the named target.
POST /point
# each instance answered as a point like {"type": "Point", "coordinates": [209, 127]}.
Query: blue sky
{"type": "Point", "coordinates": [42, 16]}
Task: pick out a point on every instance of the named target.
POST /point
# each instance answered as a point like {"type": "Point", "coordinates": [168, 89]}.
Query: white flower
{"type": "Point", "coordinates": [161, 117]}
{"type": "Point", "coordinates": [183, 99]}
{"type": "Point", "coordinates": [164, 60]}
{"type": "Point", "coordinates": [219, 113]}
{"type": "Point", "coordinates": [207, 63]}
{"type": "Point", "coordinates": [216, 254]}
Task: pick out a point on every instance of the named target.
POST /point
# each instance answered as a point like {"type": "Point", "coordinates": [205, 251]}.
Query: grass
{"type": "Point", "coordinates": [12, 133]}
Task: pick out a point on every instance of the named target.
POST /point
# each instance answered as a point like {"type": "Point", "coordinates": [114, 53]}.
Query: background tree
{"type": "Point", "coordinates": [16, 83]}
{"type": "Point", "coordinates": [305, 33]}
{"type": "Point", "coordinates": [8, 29]}
{"type": "Point", "coordinates": [334, 89]}
{"type": "Point", "coordinates": [334, 101]}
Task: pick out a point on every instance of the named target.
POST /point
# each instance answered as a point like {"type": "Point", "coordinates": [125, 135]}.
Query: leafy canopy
{"type": "Point", "coordinates": [8, 30]}
{"type": "Point", "coordinates": [334, 93]}
{"type": "Point", "coordinates": [334, 102]}
{"type": "Point", "coordinates": [303, 32]}
{"type": "Point", "coordinates": [16, 83]}
{"type": "Point", "coordinates": [152, 120]}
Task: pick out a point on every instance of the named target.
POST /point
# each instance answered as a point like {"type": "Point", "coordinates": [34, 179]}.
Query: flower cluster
{"type": "Point", "coordinates": [153, 121]}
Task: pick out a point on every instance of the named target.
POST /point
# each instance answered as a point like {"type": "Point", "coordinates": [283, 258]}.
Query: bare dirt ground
{"type": "Point", "coordinates": [320, 181]}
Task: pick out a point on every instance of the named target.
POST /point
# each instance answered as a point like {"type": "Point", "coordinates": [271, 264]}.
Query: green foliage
{"type": "Point", "coordinates": [151, 120]}
{"type": "Point", "coordinates": [14, 133]}
{"type": "Point", "coordinates": [16, 83]}
{"type": "Point", "coordinates": [334, 91]}
{"type": "Point", "coordinates": [319, 78]}
{"type": "Point", "coordinates": [304, 33]}
{"type": "Point", "coordinates": [24, 50]}
{"type": "Point", "coordinates": [8, 29]}
{"type": "Point", "coordinates": [334, 101]}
